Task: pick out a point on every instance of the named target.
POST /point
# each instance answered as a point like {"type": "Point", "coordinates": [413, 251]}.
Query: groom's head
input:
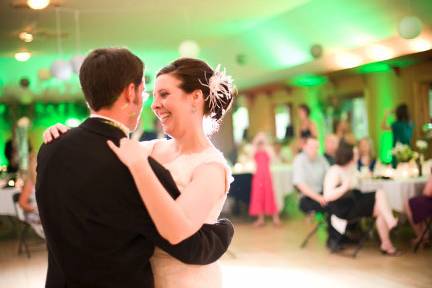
{"type": "Point", "coordinates": [111, 79]}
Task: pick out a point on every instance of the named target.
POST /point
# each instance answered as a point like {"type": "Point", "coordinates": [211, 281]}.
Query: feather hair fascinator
{"type": "Point", "coordinates": [221, 88]}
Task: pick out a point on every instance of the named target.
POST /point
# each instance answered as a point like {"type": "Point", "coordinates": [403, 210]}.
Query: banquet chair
{"type": "Point", "coordinates": [428, 229]}
{"type": "Point", "coordinates": [321, 218]}
{"type": "Point", "coordinates": [321, 222]}
{"type": "Point", "coordinates": [26, 228]}
{"type": "Point", "coordinates": [360, 242]}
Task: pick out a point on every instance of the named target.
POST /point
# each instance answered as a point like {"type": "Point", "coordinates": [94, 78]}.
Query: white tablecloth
{"type": "Point", "coordinates": [282, 182]}
{"type": "Point", "coordinates": [398, 191]}
{"type": "Point", "coordinates": [6, 201]}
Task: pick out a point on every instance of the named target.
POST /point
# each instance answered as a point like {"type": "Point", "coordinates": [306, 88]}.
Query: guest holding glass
{"type": "Point", "coordinates": [347, 202]}
{"type": "Point", "coordinates": [263, 200]}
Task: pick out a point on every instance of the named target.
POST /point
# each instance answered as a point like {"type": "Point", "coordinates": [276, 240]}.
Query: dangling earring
{"type": "Point", "coordinates": [126, 105]}
{"type": "Point", "coordinates": [193, 109]}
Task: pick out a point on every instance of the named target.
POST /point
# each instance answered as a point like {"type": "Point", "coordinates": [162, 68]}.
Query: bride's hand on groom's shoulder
{"type": "Point", "coordinates": [130, 151]}
{"type": "Point", "coordinates": [53, 132]}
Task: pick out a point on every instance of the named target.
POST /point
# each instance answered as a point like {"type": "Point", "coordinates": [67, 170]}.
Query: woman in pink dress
{"type": "Point", "coordinates": [263, 201]}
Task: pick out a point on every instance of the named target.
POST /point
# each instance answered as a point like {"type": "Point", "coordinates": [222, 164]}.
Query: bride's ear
{"type": "Point", "coordinates": [197, 97]}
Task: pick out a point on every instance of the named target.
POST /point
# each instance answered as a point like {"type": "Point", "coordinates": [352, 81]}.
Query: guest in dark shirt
{"type": "Point", "coordinates": [402, 128]}
{"type": "Point", "coordinates": [366, 155]}
{"type": "Point", "coordinates": [10, 153]}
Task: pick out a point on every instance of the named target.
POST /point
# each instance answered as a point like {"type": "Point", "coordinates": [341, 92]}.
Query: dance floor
{"type": "Point", "coordinates": [269, 257]}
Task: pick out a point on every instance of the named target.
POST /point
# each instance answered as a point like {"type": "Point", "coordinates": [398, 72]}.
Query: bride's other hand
{"type": "Point", "coordinates": [130, 151]}
{"type": "Point", "coordinates": [53, 132]}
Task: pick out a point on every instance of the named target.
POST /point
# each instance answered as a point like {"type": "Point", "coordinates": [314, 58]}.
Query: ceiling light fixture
{"type": "Point", "coordinates": [38, 4]}
{"type": "Point", "coordinates": [22, 56]}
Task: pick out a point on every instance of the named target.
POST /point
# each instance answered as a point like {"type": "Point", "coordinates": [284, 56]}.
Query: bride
{"type": "Point", "coordinates": [187, 93]}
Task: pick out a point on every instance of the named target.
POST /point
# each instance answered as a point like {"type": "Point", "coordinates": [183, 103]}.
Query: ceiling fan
{"type": "Point", "coordinates": [40, 33]}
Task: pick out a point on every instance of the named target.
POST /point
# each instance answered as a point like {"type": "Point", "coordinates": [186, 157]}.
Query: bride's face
{"type": "Point", "coordinates": [172, 105]}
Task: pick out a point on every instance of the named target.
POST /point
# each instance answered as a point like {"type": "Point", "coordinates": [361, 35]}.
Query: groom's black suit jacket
{"type": "Point", "coordinates": [98, 232]}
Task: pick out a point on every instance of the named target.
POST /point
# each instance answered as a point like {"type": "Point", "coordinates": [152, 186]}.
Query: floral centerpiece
{"type": "Point", "coordinates": [422, 145]}
{"type": "Point", "coordinates": [405, 157]}
{"type": "Point", "coordinates": [403, 153]}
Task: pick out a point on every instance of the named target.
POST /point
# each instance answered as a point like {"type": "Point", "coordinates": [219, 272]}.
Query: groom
{"type": "Point", "coordinates": [99, 234]}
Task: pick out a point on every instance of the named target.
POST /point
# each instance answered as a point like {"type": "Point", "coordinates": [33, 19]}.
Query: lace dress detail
{"type": "Point", "coordinates": [169, 272]}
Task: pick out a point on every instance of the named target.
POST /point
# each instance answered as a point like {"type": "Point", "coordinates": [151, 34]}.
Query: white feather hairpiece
{"type": "Point", "coordinates": [221, 87]}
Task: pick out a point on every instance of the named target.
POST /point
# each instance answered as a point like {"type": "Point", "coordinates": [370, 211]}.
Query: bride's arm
{"type": "Point", "coordinates": [178, 219]}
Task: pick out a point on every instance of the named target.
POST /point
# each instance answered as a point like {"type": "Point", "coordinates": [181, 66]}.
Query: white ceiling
{"type": "Point", "coordinates": [274, 35]}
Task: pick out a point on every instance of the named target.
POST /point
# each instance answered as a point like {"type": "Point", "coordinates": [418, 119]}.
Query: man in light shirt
{"type": "Point", "coordinates": [309, 169]}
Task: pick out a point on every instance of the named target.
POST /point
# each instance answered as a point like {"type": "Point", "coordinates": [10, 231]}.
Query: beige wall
{"type": "Point", "coordinates": [382, 91]}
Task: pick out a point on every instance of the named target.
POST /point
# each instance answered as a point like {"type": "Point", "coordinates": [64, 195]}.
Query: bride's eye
{"type": "Point", "coordinates": [164, 94]}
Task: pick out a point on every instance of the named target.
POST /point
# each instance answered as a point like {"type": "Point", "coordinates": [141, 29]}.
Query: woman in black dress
{"type": "Point", "coordinates": [347, 202]}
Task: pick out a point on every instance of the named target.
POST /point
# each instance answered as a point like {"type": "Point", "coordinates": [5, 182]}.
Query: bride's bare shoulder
{"type": "Point", "coordinates": [158, 146]}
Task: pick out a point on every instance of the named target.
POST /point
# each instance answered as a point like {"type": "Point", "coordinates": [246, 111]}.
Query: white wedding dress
{"type": "Point", "coordinates": [169, 272]}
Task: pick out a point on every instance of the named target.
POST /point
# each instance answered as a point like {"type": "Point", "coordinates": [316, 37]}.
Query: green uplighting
{"type": "Point", "coordinates": [308, 80]}
{"type": "Point", "coordinates": [373, 68]}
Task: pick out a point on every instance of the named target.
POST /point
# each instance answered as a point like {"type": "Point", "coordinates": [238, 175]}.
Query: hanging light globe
{"type": "Point", "coordinates": [61, 70]}
{"type": "Point", "coordinates": [189, 48]}
{"type": "Point", "coordinates": [410, 27]}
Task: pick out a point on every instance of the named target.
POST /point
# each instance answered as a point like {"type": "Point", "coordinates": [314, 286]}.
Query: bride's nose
{"type": "Point", "coordinates": [156, 103]}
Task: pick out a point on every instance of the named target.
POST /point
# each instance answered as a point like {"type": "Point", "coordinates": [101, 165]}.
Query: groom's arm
{"type": "Point", "coordinates": [203, 247]}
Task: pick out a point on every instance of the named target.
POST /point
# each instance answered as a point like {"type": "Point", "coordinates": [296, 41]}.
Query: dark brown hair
{"type": "Point", "coordinates": [106, 72]}
{"type": "Point", "coordinates": [344, 153]}
{"type": "Point", "coordinates": [194, 75]}
{"type": "Point", "coordinates": [402, 113]}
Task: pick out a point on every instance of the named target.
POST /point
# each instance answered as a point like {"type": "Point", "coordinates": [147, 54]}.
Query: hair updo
{"type": "Point", "coordinates": [194, 75]}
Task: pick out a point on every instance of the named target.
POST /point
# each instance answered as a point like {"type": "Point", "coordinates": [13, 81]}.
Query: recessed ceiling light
{"type": "Point", "coordinates": [420, 44]}
{"type": "Point", "coordinates": [346, 61]}
{"type": "Point", "coordinates": [379, 52]}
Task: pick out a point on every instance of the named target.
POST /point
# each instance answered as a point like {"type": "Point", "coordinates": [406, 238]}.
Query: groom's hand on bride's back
{"type": "Point", "coordinates": [225, 228]}
{"type": "Point", "coordinates": [53, 132]}
{"type": "Point", "coordinates": [211, 243]}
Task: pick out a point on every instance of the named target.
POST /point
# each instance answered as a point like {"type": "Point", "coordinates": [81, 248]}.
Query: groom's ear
{"type": "Point", "coordinates": [130, 93]}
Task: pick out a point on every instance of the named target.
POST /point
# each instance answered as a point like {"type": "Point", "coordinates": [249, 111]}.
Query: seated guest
{"type": "Point", "coordinates": [11, 155]}
{"type": "Point", "coordinates": [347, 202]}
{"type": "Point", "coordinates": [309, 169]}
{"type": "Point", "coordinates": [331, 144]}
{"type": "Point", "coordinates": [419, 209]}
{"type": "Point", "coordinates": [366, 157]}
